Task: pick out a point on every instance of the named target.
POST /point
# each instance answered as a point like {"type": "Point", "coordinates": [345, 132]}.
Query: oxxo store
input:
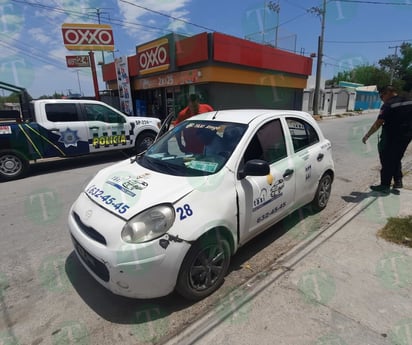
{"type": "Point", "coordinates": [227, 72]}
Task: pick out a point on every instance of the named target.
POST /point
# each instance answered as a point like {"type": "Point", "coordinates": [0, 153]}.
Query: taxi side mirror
{"type": "Point", "coordinates": [254, 167]}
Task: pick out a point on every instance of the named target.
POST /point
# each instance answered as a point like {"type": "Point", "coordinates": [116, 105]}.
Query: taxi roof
{"type": "Point", "coordinates": [246, 115]}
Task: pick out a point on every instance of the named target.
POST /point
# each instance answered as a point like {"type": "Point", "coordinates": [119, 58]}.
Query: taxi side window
{"type": "Point", "coordinates": [62, 112]}
{"type": "Point", "coordinates": [98, 112]}
{"type": "Point", "coordinates": [268, 143]}
{"type": "Point", "coordinates": [302, 133]}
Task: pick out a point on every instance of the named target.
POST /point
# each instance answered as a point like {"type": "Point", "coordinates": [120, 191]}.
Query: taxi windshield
{"type": "Point", "coordinates": [194, 148]}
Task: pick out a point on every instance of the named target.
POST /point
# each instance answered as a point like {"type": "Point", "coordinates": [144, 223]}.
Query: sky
{"type": "Point", "coordinates": [32, 53]}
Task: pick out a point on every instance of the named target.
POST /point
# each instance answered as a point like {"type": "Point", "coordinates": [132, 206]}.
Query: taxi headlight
{"type": "Point", "coordinates": [149, 224]}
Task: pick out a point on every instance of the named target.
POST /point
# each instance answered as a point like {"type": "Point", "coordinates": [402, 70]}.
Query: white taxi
{"type": "Point", "coordinates": [172, 217]}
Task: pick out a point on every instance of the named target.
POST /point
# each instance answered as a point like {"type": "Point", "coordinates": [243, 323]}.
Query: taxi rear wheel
{"type": "Point", "coordinates": [322, 194]}
{"type": "Point", "coordinates": [204, 267]}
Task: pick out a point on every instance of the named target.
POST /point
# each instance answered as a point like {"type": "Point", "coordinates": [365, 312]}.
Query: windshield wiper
{"type": "Point", "coordinates": [162, 166]}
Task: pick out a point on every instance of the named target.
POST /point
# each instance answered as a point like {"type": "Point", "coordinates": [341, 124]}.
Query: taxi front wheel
{"type": "Point", "coordinates": [204, 267]}
{"type": "Point", "coordinates": [322, 193]}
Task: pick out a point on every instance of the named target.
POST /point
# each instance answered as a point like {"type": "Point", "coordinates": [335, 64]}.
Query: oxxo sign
{"type": "Point", "coordinates": [153, 57]}
{"type": "Point", "coordinates": [88, 37]}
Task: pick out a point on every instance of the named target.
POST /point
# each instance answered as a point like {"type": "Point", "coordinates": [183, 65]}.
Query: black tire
{"type": "Point", "coordinates": [12, 165]}
{"type": "Point", "coordinates": [204, 268]}
{"type": "Point", "coordinates": [144, 140]}
{"type": "Point", "coordinates": [322, 194]}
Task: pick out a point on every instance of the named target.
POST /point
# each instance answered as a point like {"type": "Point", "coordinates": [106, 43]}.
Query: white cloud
{"type": "Point", "coordinates": [145, 14]}
{"type": "Point", "coordinates": [39, 35]}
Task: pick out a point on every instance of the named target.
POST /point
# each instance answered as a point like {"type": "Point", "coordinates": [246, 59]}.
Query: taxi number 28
{"type": "Point", "coordinates": [184, 211]}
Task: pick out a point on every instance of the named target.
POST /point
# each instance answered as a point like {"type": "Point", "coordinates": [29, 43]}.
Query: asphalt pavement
{"type": "Point", "coordinates": [345, 285]}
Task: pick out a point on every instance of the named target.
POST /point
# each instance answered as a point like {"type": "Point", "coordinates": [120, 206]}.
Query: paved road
{"type": "Point", "coordinates": [46, 297]}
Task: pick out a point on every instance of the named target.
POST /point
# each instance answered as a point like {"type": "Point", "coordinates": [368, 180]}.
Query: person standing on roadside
{"type": "Point", "coordinates": [395, 118]}
{"type": "Point", "coordinates": [193, 143]}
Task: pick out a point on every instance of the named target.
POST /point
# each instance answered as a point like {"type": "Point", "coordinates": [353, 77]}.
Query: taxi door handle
{"type": "Point", "coordinates": [287, 173]}
{"type": "Point", "coordinates": [320, 157]}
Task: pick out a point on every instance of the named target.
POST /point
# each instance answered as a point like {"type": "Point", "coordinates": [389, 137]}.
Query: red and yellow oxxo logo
{"type": "Point", "coordinates": [153, 57]}
{"type": "Point", "coordinates": [88, 37]}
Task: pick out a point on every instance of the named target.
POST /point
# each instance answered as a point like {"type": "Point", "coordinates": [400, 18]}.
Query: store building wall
{"type": "Point", "coordinates": [225, 71]}
{"type": "Point", "coordinates": [230, 96]}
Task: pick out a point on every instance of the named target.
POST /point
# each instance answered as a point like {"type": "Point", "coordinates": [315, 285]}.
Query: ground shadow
{"type": "Point", "coordinates": [357, 197]}
{"type": "Point", "coordinates": [266, 238]}
{"type": "Point", "coordinates": [61, 164]}
{"type": "Point", "coordinates": [124, 310]}
{"type": "Point", "coordinates": [118, 309]}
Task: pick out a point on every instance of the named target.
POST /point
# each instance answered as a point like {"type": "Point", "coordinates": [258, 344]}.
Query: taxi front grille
{"type": "Point", "coordinates": [88, 230]}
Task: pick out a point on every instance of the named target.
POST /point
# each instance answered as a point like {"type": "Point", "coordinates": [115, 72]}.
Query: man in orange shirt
{"type": "Point", "coordinates": [193, 108]}
{"type": "Point", "coordinates": [192, 142]}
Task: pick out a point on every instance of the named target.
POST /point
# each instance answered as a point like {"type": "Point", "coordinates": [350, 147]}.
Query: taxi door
{"type": "Point", "coordinates": [264, 200]}
{"type": "Point", "coordinates": [107, 129]}
{"type": "Point", "coordinates": [308, 156]}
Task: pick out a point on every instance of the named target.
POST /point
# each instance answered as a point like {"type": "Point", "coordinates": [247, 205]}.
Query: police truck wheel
{"type": "Point", "coordinates": [144, 140]}
{"type": "Point", "coordinates": [12, 166]}
{"type": "Point", "coordinates": [203, 268]}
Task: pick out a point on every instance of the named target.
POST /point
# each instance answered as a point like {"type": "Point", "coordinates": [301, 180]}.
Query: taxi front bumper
{"type": "Point", "coordinates": [145, 270]}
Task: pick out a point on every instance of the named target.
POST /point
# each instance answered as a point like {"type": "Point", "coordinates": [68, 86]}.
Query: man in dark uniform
{"type": "Point", "coordinates": [395, 117]}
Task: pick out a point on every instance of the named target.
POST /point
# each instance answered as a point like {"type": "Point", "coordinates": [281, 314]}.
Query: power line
{"type": "Point", "coordinates": [80, 15]}
{"type": "Point", "coordinates": [368, 42]}
{"type": "Point", "coordinates": [375, 2]}
{"type": "Point", "coordinates": [23, 51]}
{"type": "Point", "coordinates": [167, 15]}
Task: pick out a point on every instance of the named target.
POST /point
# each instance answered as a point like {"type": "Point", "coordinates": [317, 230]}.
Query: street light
{"type": "Point", "coordinates": [275, 7]}
{"type": "Point", "coordinates": [114, 51]}
{"type": "Point", "coordinates": [78, 80]}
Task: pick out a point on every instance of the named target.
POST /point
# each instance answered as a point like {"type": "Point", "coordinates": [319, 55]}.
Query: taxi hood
{"type": "Point", "coordinates": [126, 188]}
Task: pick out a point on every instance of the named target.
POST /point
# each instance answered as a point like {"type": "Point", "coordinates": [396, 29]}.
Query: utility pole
{"type": "Point", "coordinates": [394, 60]}
{"type": "Point", "coordinates": [98, 20]}
{"type": "Point", "coordinates": [321, 12]}
{"type": "Point", "coordinates": [98, 14]}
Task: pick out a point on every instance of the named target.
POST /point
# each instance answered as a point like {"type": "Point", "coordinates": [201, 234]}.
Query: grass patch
{"type": "Point", "coordinates": [398, 230]}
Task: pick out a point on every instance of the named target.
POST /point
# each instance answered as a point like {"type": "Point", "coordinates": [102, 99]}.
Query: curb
{"type": "Point", "coordinates": [255, 285]}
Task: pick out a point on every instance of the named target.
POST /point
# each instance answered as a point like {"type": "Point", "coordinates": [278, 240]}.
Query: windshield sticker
{"type": "Point", "coordinates": [203, 166]}
{"type": "Point", "coordinates": [5, 129]}
{"type": "Point", "coordinates": [128, 184]}
{"type": "Point", "coordinates": [109, 200]}
{"type": "Point", "coordinates": [69, 138]}
{"type": "Point", "coordinates": [201, 125]}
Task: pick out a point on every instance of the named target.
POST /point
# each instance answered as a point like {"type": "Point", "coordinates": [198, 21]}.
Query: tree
{"type": "Point", "coordinates": [365, 74]}
{"type": "Point", "coordinates": [400, 67]}
{"type": "Point", "coordinates": [56, 95]}
{"type": "Point", "coordinates": [393, 69]}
